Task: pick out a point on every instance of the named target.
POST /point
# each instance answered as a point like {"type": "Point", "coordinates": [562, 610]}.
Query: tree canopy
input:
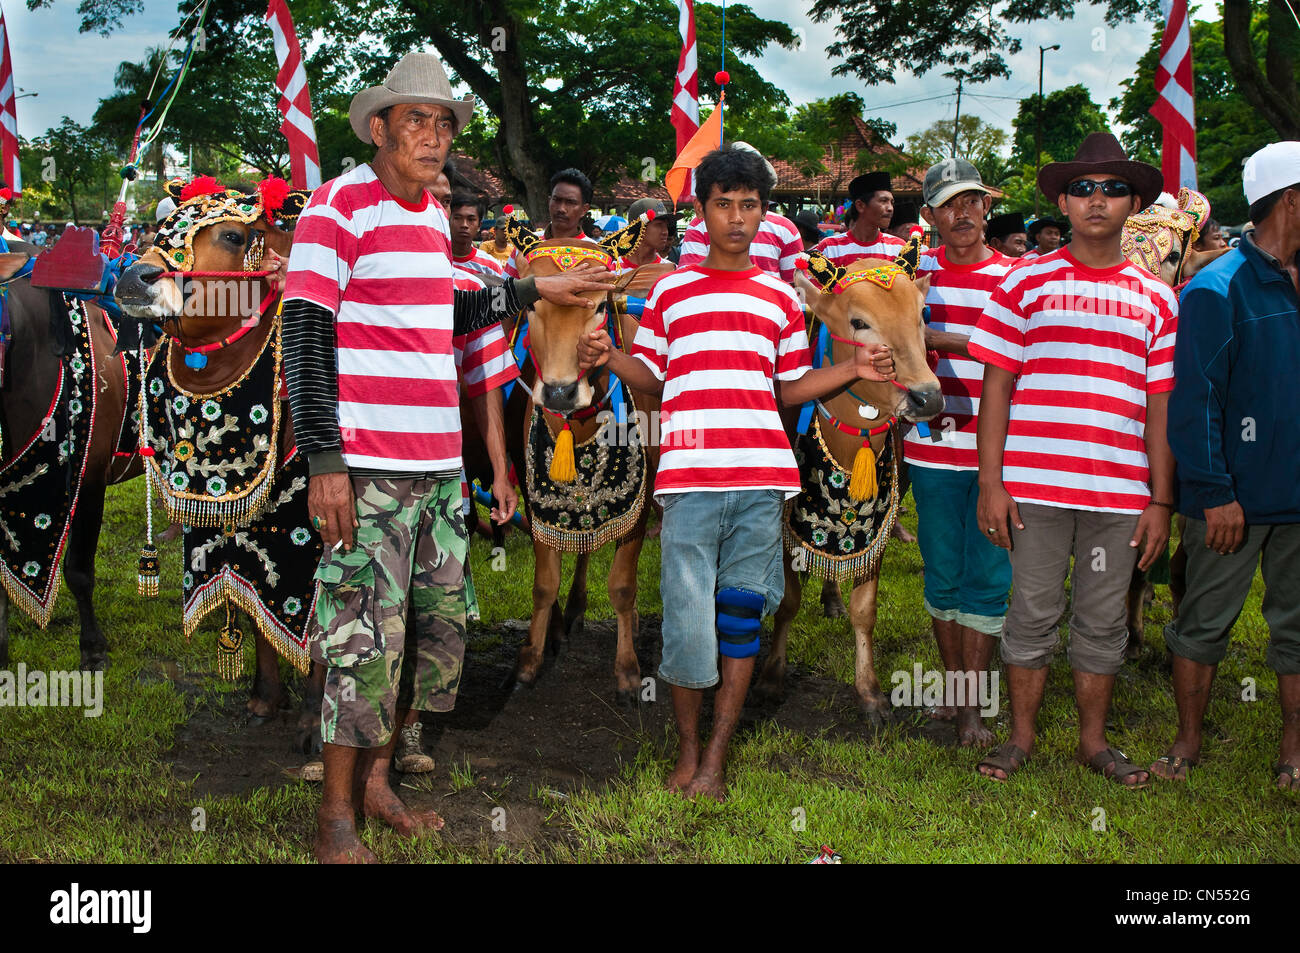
{"type": "Point", "coordinates": [879, 40]}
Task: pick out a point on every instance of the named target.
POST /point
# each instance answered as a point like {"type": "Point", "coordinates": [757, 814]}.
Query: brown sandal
{"type": "Point", "coordinates": [1119, 765]}
{"type": "Point", "coordinates": [1174, 763]}
{"type": "Point", "coordinates": [1005, 757]}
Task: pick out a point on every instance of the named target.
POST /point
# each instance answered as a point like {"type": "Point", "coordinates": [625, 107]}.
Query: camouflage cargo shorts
{"type": "Point", "coordinates": [405, 577]}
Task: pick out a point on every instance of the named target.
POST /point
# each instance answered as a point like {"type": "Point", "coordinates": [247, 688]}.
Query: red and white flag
{"type": "Point", "coordinates": [8, 116]}
{"type": "Point", "coordinates": [685, 114]}
{"type": "Point", "coordinates": [1174, 98]}
{"type": "Point", "coordinates": [295, 100]}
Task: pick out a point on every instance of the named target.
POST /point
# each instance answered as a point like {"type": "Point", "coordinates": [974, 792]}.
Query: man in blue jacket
{"type": "Point", "coordinates": [1233, 425]}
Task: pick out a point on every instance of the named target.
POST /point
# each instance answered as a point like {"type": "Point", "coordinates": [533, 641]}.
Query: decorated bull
{"type": "Point", "coordinates": [62, 410]}
{"type": "Point", "coordinates": [215, 428]}
{"type": "Point", "coordinates": [838, 525]}
{"type": "Point", "coordinates": [586, 475]}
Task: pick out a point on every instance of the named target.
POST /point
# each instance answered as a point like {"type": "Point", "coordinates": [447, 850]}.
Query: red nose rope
{"type": "Point", "coordinates": [835, 337]}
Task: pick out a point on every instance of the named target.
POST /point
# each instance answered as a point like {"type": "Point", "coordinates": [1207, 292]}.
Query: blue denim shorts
{"type": "Point", "coordinates": [713, 540]}
{"type": "Point", "coordinates": [967, 578]}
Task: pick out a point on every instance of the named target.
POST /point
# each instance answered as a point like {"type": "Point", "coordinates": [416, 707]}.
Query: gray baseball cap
{"type": "Point", "coordinates": [950, 177]}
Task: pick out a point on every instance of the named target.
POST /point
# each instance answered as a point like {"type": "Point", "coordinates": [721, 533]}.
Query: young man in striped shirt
{"type": "Point", "coordinates": [369, 317]}
{"type": "Point", "coordinates": [870, 212]}
{"type": "Point", "coordinates": [967, 578]}
{"type": "Point", "coordinates": [466, 211]}
{"type": "Point", "coordinates": [1073, 460]}
{"type": "Point", "coordinates": [724, 343]}
{"type": "Point", "coordinates": [570, 201]}
{"type": "Point", "coordinates": [776, 245]}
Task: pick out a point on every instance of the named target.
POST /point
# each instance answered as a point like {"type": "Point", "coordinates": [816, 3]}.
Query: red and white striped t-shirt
{"type": "Point", "coordinates": [483, 357]}
{"type": "Point", "coordinates": [775, 247]}
{"type": "Point", "coordinates": [626, 264]}
{"type": "Point", "coordinates": [383, 267]}
{"type": "Point", "coordinates": [957, 297]}
{"type": "Point", "coordinates": [479, 262]}
{"type": "Point", "coordinates": [844, 249]}
{"type": "Point", "coordinates": [1088, 347]}
{"type": "Point", "coordinates": [718, 339]}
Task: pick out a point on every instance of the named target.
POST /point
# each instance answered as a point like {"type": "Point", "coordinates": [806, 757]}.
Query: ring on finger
{"type": "Point", "coordinates": [315, 521]}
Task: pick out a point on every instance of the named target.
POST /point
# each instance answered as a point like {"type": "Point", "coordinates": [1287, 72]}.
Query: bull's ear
{"type": "Point", "coordinates": [11, 264]}
{"type": "Point", "coordinates": [923, 284]}
{"type": "Point", "coordinates": [810, 294]}
{"type": "Point", "coordinates": [519, 236]}
{"type": "Point", "coordinates": [910, 257]}
{"type": "Point", "coordinates": [174, 188]}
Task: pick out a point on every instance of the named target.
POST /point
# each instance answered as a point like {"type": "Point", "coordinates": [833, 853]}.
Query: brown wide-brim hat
{"type": "Point", "coordinates": [1102, 154]}
{"type": "Point", "coordinates": [417, 78]}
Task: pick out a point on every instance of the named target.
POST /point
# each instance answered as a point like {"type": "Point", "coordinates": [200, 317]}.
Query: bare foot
{"type": "Point", "coordinates": [970, 729]}
{"type": "Point", "coordinates": [380, 802]}
{"type": "Point", "coordinates": [943, 712]}
{"type": "Point", "coordinates": [710, 782]}
{"type": "Point", "coordinates": [687, 764]}
{"type": "Point", "coordinates": [337, 841]}
{"type": "Point", "coordinates": [901, 534]}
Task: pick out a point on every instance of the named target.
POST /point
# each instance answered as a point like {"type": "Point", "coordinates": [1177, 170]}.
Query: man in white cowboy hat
{"type": "Point", "coordinates": [370, 313]}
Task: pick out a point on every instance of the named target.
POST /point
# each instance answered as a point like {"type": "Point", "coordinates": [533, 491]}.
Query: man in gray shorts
{"type": "Point", "coordinates": [1232, 425]}
{"type": "Point", "coordinates": [1077, 348]}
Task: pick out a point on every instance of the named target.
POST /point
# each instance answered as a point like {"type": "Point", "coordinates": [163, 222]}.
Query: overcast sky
{"type": "Point", "coordinates": [71, 71]}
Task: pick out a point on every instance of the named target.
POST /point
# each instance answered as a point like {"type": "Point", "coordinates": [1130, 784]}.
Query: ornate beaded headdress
{"type": "Point", "coordinates": [1149, 236]}
{"type": "Point", "coordinates": [205, 202]}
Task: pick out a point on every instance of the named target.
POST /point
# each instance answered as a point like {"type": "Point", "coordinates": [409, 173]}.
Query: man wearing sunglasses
{"type": "Point", "coordinates": [1073, 460]}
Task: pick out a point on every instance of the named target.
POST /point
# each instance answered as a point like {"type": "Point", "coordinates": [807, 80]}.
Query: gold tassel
{"type": "Point", "coordinates": [862, 484]}
{"type": "Point", "coordinates": [230, 647]}
{"type": "Point", "coordinates": [563, 467]}
{"type": "Point", "coordinates": [147, 579]}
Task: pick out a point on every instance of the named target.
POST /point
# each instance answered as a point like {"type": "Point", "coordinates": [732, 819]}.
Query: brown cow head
{"type": "Point", "coordinates": [1160, 238]}
{"type": "Point", "coordinates": [874, 302]}
{"type": "Point", "coordinates": [213, 229]}
{"type": "Point", "coordinates": [553, 331]}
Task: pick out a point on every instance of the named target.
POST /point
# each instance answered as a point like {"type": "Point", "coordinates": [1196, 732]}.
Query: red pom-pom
{"type": "Point", "coordinates": [649, 215]}
{"type": "Point", "coordinates": [6, 195]}
{"type": "Point", "coordinates": [203, 185]}
{"type": "Point", "coordinates": [146, 451]}
{"type": "Point", "coordinates": [801, 264]}
{"type": "Point", "coordinates": [274, 191]}
{"type": "Point", "coordinates": [722, 77]}
{"type": "Point", "coordinates": [509, 210]}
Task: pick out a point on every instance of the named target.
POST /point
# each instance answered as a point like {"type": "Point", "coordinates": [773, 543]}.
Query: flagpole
{"type": "Point", "coordinates": [722, 72]}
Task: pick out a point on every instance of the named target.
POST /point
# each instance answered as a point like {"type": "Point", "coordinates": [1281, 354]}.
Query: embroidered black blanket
{"type": "Point", "coordinates": [248, 536]}
{"type": "Point", "coordinates": [840, 538]}
{"type": "Point", "coordinates": [602, 504]}
{"type": "Point", "coordinates": [40, 487]}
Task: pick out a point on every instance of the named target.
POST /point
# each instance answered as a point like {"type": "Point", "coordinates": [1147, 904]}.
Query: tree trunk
{"type": "Point", "coordinates": [522, 156]}
{"type": "Point", "coordinates": [1273, 93]}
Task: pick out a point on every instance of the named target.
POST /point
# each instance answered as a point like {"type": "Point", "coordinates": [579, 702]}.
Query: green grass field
{"type": "Point", "coordinates": [103, 789]}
